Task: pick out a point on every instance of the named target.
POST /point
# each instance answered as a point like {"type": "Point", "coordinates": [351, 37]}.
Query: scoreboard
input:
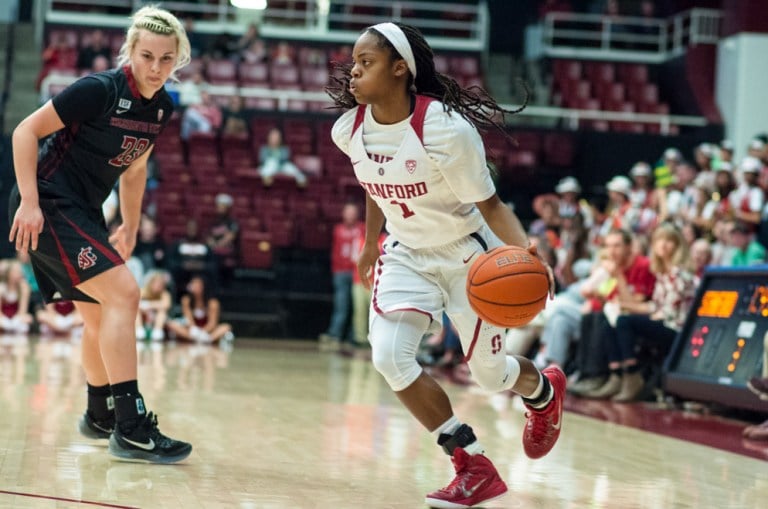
{"type": "Point", "coordinates": [721, 344]}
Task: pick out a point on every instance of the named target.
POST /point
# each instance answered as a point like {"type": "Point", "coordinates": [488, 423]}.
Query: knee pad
{"type": "Point", "coordinates": [394, 339]}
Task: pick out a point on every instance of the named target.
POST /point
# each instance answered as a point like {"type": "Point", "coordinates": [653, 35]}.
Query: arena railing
{"type": "Point", "coordinates": [628, 38]}
{"type": "Point", "coordinates": [338, 21]}
{"type": "Point", "coordinates": [566, 117]}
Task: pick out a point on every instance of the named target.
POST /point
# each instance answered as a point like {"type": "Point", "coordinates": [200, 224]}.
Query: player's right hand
{"type": "Point", "coordinates": [368, 256]}
{"type": "Point", "coordinates": [27, 226]}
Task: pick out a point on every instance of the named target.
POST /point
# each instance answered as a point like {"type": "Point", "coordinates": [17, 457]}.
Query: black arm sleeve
{"type": "Point", "coordinates": [84, 100]}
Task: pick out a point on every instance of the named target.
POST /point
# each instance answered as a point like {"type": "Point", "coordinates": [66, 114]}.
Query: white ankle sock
{"type": "Point", "coordinates": [449, 427]}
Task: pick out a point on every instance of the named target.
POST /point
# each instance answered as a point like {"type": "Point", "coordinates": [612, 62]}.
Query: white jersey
{"type": "Point", "coordinates": [425, 173]}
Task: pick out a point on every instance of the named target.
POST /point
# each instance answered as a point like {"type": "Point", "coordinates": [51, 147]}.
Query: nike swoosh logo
{"type": "Point", "coordinates": [355, 162]}
{"type": "Point", "coordinates": [119, 112]}
{"type": "Point", "coordinates": [100, 428]}
{"type": "Point", "coordinates": [141, 445]}
{"type": "Point", "coordinates": [469, 492]}
{"type": "Point", "coordinates": [559, 423]}
{"type": "Point", "coordinates": [466, 260]}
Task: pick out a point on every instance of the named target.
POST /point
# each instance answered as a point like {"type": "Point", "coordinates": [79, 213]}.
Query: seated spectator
{"type": "Point", "coordinates": [627, 277]}
{"type": "Point", "coordinates": [656, 321]}
{"type": "Point", "coordinates": [150, 248]}
{"type": "Point", "coordinates": [722, 251]}
{"type": "Point", "coordinates": [548, 222]}
{"type": "Point", "coordinates": [203, 117]}
{"type": "Point", "coordinates": [569, 190]}
{"type": "Point", "coordinates": [718, 204]}
{"type": "Point", "coordinates": [14, 298]}
{"type": "Point", "coordinates": [54, 56]}
{"type": "Point", "coordinates": [223, 237]}
{"type": "Point", "coordinates": [574, 246]}
{"type": "Point", "coordinates": [154, 305]}
{"type": "Point", "coordinates": [726, 151]}
{"type": "Point", "coordinates": [100, 63]}
{"type": "Point", "coordinates": [275, 159]}
{"type": "Point", "coordinates": [747, 250]}
{"type": "Point", "coordinates": [748, 199]}
{"type": "Point", "coordinates": [250, 47]}
{"type": "Point", "coordinates": [190, 90]}
{"type": "Point", "coordinates": [59, 318]}
{"type": "Point", "coordinates": [201, 312]}
{"type": "Point", "coordinates": [235, 119]}
{"type": "Point", "coordinates": [96, 45]}
{"type": "Point", "coordinates": [701, 256]}
{"type": "Point", "coordinates": [283, 54]}
{"type": "Point", "coordinates": [642, 194]}
{"type": "Point", "coordinates": [621, 212]}
{"type": "Point", "coordinates": [189, 256]}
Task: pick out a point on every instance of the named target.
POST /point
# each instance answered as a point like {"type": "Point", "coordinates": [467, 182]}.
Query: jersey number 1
{"type": "Point", "coordinates": [404, 207]}
{"type": "Point", "coordinates": [132, 148]}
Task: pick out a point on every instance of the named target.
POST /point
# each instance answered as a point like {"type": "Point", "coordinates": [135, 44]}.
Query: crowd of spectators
{"type": "Point", "coordinates": [626, 274]}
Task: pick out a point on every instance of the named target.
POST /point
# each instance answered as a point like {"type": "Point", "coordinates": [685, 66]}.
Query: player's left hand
{"type": "Point", "coordinates": [123, 241]}
{"type": "Point", "coordinates": [550, 273]}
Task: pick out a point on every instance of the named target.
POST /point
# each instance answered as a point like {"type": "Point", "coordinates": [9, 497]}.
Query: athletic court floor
{"type": "Point", "coordinates": [276, 424]}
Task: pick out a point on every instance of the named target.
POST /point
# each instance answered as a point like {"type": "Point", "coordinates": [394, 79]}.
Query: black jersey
{"type": "Point", "coordinates": [107, 126]}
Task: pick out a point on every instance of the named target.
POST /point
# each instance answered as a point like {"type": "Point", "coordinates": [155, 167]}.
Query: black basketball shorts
{"type": "Point", "coordinates": [73, 247]}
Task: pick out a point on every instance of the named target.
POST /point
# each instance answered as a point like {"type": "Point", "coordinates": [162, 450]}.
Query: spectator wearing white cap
{"type": "Point", "coordinates": [664, 171]}
{"type": "Point", "coordinates": [703, 155]}
{"type": "Point", "coordinates": [569, 191]}
{"type": "Point", "coordinates": [748, 199]}
{"type": "Point", "coordinates": [756, 147]}
{"type": "Point", "coordinates": [642, 184]}
{"type": "Point", "coordinates": [726, 151]}
{"type": "Point", "coordinates": [620, 213]}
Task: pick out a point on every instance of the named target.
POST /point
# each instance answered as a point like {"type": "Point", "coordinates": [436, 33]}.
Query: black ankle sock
{"type": "Point", "coordinates": [101, 404]}
{"type": "Point", "coordinates": [129, 405]}
{"type": "Point", "coordinates": [632, 368]}
{"type": "Point", "coordinates": [544, 397]}
{"type": "Point", "coordinates": [616, 371]}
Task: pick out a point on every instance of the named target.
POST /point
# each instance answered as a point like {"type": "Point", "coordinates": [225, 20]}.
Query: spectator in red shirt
{"type": "Point", "coordinates": [343, 265]}
{"type": "Point", "coordinates": [629, 279]}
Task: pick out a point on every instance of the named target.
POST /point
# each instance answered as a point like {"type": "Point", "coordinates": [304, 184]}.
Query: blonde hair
{"type": "Point", "coordinates": [147, 291]}
{"type": "Point", "coordinates": [680, 257]}
{"type": "Point", "coordinates": [157, 21]}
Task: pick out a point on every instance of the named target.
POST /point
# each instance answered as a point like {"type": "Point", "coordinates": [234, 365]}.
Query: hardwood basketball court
{"type": "Point", "coordinates": [276, 424]}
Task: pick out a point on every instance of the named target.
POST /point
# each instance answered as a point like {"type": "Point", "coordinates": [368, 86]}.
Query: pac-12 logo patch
{"type": "Point", "coordinates": [124, 104]}
{"type": "Point", "coordinates": [86, 258]}
{"type": "Point", "coordinates": [410, 165]}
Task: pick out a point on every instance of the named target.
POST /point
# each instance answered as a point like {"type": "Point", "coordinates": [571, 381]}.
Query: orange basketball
{"type": "Point", "coordinates": [507, 286]}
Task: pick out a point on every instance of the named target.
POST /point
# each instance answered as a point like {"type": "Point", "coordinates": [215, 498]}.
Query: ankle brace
{"type": "Point", "coordinates": [461, 438]}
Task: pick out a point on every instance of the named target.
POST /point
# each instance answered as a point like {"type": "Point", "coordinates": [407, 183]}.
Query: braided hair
{"type": "Point", "coordinates": [472, 103]}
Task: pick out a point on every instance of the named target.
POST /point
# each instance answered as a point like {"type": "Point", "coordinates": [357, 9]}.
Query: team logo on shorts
{"type": "Point", "coordinates": [160, 114]}
{"type": "Point", "coordinates": [85, 258]}
{"type": "Point", "coordinates": [410, 165]}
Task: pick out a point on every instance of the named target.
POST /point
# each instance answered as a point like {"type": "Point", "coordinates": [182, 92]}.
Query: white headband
{"type": "Point", "coordinates": [397, 37]}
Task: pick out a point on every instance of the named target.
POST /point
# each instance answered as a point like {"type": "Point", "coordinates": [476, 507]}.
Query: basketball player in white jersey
{"type": "Point", "coordinates": [411, 136]}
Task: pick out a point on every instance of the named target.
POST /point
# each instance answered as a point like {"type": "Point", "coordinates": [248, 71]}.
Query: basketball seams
{"type": "Point", "coordinates": [519, 304]}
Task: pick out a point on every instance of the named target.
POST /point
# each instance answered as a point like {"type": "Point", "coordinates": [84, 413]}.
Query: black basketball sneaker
{"type": "Point", "coordinates": [146, 443]}
{"type": "Point", "coordinates": [96, 430]}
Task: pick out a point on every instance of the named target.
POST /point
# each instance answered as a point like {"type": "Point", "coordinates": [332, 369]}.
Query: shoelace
{"type": "Point", "coordinates": [540, 424]}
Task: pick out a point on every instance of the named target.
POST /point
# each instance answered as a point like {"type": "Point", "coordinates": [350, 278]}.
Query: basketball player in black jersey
{"type": "Point", "coordinates": [100, 130]}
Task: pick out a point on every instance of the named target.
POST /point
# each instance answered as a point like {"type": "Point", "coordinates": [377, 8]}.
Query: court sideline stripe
{"type": "Point", "coordinates": [62, 499]}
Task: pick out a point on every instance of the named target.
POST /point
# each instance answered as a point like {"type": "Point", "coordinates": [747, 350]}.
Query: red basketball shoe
{"type": "Point", "coordinates": [476, 481]}
{"type": "Point", "coordinates": [543, 426]}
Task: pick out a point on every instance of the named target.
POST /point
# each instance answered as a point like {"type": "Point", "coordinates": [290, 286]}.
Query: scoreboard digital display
{"type": "Point", "coordinates": [721, 344]}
